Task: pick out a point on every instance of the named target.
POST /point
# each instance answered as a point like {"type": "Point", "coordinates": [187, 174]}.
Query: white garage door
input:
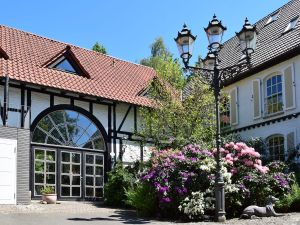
{"type": "Point", "coordinates": [8, 171]}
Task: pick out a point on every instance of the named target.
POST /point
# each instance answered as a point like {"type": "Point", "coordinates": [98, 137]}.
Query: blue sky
{"type": "Point", "coordinates": [127, 27]}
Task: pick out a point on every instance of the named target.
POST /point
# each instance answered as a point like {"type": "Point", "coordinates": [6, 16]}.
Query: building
{"type": "Point", "coordinates": [265, 99]}
{"type": "Point", "coordinates": [66, 114]}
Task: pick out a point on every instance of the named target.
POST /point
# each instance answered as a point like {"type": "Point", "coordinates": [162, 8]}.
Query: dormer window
{"type": "Point", "coordinates": [64, 65]}
{"type": "Point", "coordinates": [272, 18]}
{"type": "Point", "coordinates": [66, 61]}
{"type": "Point", "coordinates": [291, 24]}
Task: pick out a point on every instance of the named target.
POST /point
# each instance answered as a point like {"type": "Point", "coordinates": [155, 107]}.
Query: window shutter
{"type": "Point", "coordinates": [256, 98]}
{"type": "Point", "coordinates": [290, 139]}
{"type": "Point", "coordinates": [289, 87]}
{"type": "Point", "coordinates": [234, 106]}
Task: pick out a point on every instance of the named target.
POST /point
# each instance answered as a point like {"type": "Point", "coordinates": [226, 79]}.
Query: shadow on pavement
{"type": "Point", "coordinates": [123, 216]}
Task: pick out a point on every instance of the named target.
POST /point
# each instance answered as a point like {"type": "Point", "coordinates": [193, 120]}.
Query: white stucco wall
{"type": "Point", "coordinates": [246, 108]}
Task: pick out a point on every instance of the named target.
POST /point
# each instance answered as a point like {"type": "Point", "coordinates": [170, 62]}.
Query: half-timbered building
{"type": "Point", "coordinates": [67, 114]}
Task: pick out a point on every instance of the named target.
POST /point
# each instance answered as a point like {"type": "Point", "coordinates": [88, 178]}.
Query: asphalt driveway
{"type": "Point", "coordinates": [83, 213]}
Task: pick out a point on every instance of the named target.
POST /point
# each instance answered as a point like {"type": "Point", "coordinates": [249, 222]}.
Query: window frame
{"type": "Point", "coordinates": [281, 145]}
{"type": "Point", "coordinates": [289, 27]}
{"type": "Point", "coordinates": [277, 94]}
{"type": "Point", "coordinates": [272, 18]}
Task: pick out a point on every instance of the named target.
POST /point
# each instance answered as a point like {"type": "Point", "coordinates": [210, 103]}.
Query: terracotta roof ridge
{"type": "Point", "coordinates": [75, 46]}
{"type": "Point", "coordinates": [268, 15]}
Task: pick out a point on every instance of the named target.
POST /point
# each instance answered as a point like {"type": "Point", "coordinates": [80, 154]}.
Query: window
{"type": "Point", "coordinates": [68, 128]}
{"type": "Point", "coordinates": [44, 170]}
{"type": "Point", "coordinates": [291, 24]}
{"type": "Point", "coordinates": [272, 18]}
{"type": "Point", "coordinates": [64, 64]}
{"type": "Point", "coordinates": [273, 100]}
{"type": "Point", "coordinates": [275, 145]}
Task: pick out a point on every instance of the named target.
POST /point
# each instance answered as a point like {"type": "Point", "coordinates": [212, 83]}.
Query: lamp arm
{"type": "Point", "coordinates": [205, 75]}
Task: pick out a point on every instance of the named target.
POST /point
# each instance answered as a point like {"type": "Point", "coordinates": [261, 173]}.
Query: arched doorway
{"type": "Point", "coordinates": [69, 151]}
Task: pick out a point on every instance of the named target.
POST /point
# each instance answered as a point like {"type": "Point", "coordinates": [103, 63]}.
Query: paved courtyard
{"type": "Point", "coordinates": [71, 213]}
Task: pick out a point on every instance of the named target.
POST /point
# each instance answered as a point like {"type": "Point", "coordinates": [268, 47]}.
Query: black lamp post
{"type": "Point", "coordinates": [215, 76]}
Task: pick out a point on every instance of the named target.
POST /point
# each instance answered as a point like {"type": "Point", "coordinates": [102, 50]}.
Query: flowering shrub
{"type": "Point", "coordinates": [184, 179]}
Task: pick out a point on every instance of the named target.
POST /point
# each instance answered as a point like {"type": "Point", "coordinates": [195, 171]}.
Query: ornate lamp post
{"type": "Point", "coordinates": [215, 76]}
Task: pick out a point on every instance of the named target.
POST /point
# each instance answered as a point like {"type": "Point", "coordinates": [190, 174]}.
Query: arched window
{"type": "Point", "coordinates": [276, 147]}
{"type": "Point", "coordinates": [68, 128]}
{"type": "Point", "coordinates": [273, 100]}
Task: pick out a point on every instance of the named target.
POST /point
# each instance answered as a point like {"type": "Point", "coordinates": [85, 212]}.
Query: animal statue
{"type": "Point", "coordinates": [267, 211]}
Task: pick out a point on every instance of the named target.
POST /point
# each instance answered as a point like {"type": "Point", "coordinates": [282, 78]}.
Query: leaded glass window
{"type": "Point", "coordinates": [276, 147]}
{"type": "Point", "coordinates": [273, 101]}
{"type": "Point", "coordinates": [68, 128]}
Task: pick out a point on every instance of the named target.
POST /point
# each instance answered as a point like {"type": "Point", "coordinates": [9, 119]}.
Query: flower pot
{"type": "Point", "coordinates": [49, 198]}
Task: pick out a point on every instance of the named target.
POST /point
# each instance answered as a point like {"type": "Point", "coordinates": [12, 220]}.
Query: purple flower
{"type": "Point", "coordinates": [165, 200]}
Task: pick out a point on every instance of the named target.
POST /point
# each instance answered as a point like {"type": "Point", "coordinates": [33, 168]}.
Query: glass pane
{"type": "Point", "coordinates": [99, 181]}
{"type": "Point", "coordinates": [65, 157]}
{"type": "Point", "coordinates": [65, 191]}
{"type": "Point", "coordinates": [76, 180]}
{"type": "Point", "coordinates": [89, 170]}
{"type": "Point", "coordinates": [89, 192]}
{"type": "Point", "coordinates": [75, 157]}
{"type": "Point", "coordinates": [99, 160]}
{"type": "Point", "coordinates": [39, 166]}
{"type": "Point", "coordinates": [75, 191]}
{"type": "Point", "coordinates": [65, 168]}
{"type": "Point", "coordinates": [50, 167]}
{"type": "Point", "coordinates": [269, 83]}
{"type": "Point", "coordinates": [76, 169]}
{"type": "Point", "coordinates": [99, 143]}
{"type": "Point", "coordinates": [90, 159]}
{"type": "Point", "coordinates": [37, 189]}
{"type": "Point", "coordinates": [39, 154]}
{"type": "Point", "coordinates": [50, 156]}
{"type": "Point", "coordinates": [99, 192]}
{"type": "Point", "coordinates": [52, 141]}
{"type": "Point", "coordinates": [50, 179]}
{"type": "Point", "coordinates": [39, 178]}
{"type": "Point", "coordinates": [89, 181]}
{"type": "Point", "coordinates": [65, 179]}
{"type": "Point", "coordinates": [66, 66]}
{"type": "Point", "coordinates": [39, 136]}
{"type": "Point", "coordinates": [99, 170]}
{"type": "Point", "coordinates": [273, 80]}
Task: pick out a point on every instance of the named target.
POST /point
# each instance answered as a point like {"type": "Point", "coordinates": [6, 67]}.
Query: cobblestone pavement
{"type": "Point", "coordinates": [71, 213]}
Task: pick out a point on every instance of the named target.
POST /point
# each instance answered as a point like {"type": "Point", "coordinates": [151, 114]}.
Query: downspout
{"type": "Point", "coordinates": [6, 101]}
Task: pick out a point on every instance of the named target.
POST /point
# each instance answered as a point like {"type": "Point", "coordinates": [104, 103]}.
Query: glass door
{"type": "Point", "coordinates": [70, 174]}
{"type": "Point", "coordinates": [94, 171]}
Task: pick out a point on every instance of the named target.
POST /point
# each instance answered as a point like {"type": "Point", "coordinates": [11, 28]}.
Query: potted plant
{"type": "Point", "coordinates": [49, 195]}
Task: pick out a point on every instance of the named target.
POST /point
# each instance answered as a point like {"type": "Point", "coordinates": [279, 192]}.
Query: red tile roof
{"type": "Point", "coordinates": [110, 78]}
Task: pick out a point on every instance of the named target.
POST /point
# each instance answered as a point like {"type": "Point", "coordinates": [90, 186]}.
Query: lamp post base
{"type": "Point", "coordinates": [220, 218]}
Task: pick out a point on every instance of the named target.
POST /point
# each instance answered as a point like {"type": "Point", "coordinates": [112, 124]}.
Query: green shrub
{"type": "Point", "coordinates": [48, 190]}
{"type": "Point", "coordinates": [290, 202]}
{"type": "Point", "coordinates": [119, 179]}
{"type": "Point", "coordinates": [142, 197]}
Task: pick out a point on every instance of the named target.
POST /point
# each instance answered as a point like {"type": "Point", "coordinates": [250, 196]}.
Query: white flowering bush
{"type": "Point", "coordinates": [195, 205]}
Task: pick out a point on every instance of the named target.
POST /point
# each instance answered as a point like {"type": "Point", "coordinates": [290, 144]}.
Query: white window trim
{"type": "Point", "coordinates": [264, 96]}
{"type": "Point", "coordinates": [284, 143]}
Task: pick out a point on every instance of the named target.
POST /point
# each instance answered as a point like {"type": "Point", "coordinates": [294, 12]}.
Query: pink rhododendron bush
{"type": "Point", "coordinates": [183, 180]}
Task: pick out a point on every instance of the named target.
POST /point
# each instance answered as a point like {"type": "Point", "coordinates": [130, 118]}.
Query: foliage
{"type": "Point", "coordinates": [119, 179]}
{"type": "Point", "coordinates": [142, 197]}
{"type": "Point", "coordinates": [290, 202]}
{"type": "Point", "coordinates": [162, 61]}
{"type": "Point", "coordinates": [174, 123]}
{"type": "Point", "coordinates": [184, 180]}
{"type": "Point", "coordinates": [48, 190]}
{"type": "Point", "coordinates": [99, 48]}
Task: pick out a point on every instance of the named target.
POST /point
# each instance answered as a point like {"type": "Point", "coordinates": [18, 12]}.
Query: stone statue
{"type": "Point", "coordinates": [268, 211]}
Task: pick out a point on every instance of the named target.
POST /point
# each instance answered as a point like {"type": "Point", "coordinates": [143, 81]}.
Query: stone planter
{"type": "Point", "coordinates": [49, 198]}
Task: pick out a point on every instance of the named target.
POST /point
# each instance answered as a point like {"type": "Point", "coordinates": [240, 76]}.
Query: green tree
{"type": "Point", "coordinates": [162, 61]}
{"type": "Point", "coordinates": [175, 121]}
{"type": "Point", "coordinates": [99, 48]}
